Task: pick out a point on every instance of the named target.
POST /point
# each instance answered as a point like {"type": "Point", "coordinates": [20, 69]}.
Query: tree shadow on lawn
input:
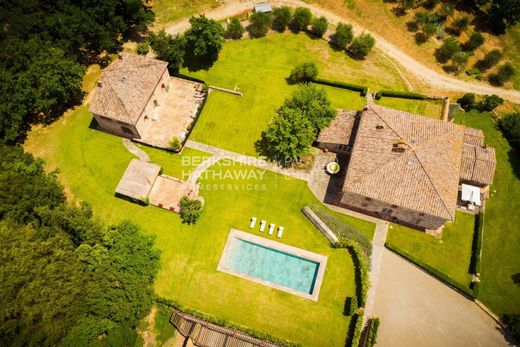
{"type": "Point", "coordinates": [516, 278]}
{"type": "Point", "coordinates": [194, 63]}
{"type": "Point", "coordinates": [514, 160]}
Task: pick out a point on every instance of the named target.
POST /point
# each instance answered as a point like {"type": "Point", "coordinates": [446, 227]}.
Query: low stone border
{"type": "Point", "coordinates": [230, 91]}
{"type": "Point", "coordinates": [325, 230]}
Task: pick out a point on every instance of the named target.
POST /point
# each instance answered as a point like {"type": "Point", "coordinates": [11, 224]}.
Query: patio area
{"type": "Point", "coordinates": [176, 115]}
{"type": "Point", "coordinates": [168, 191]}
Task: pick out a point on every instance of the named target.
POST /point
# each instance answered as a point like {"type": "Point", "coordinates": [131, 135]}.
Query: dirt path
{"type": "Point", "coordinates": [420, 71]}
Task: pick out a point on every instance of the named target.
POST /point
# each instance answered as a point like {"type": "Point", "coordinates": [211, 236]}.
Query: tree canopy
{"type": "Point", "coordinates": [66, 278]}
{"type": "Point", "coordinates": [303, 73]}
{"type": "Point", "coordinates": [343, 35]}
{"type": "Point", "coordinates": [260, 24]}
{"type": "Point", "coordinates": [281, 18]}
{"type": "Point", "coordinates": [204, 38]}
{"type": "Point", "coordinates": [168, 48]}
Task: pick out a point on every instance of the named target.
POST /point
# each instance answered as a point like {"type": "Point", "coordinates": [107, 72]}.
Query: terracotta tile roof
{"type": "Point", "coordinates": [126, 86]}
{"type": "Point", "coordinates": [473, 136]}
{"type": "Point", "coordinates": [340, 128]}
{"type": "Point", "coordinates": [478, 164]}
{"type": "Point", "coordinates": [406, 160]}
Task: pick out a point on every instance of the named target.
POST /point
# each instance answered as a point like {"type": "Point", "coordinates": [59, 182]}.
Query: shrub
{"type": "Point", "coordinates": [358, 329]}
{"type": "Point", "coordinates": [190, 210]}
{"type": "Point", "coordinates": [302, 18]}
{"type": "Point", "coordinates": [513, 323]}
{"type": "Point", "coordinates": [445, 11]}
{"type": "Point", "coordinates": [234, 30]}
{"type": "Point", "coordinates": [468, 101]}
{"type": "Point", "coordinates": [303, 73]}
{"type": "Point", "coordinates": [175, 144]}
{"type": "Point", "coordinates": [475, 41]}
{"type": "Point", "coordinates": [510, 127]}
{"type": "Point", "coordinates": [476, 247]}
{"type": "Point", "coordinates": [281, 18]}
{"type": "Point", "coordinates": [460, 59]}
{"type": "Point", "coordinates": [489, 103]}
{"type": "Point", "coordinates": [460, 24]}
{"type": "Point", "coordinates": [260, 24]}
{"type": "Point", "coordinates": [343, 35]}
{"type": "Point", "coordinates": [372, 334]}
{"type": "Point", "coordinates": [473, 71]}
{"type": "Point", "coordinates": [143, 48]}
{"type": "Point", "coordinates": [490, 59]}
{"type": "Point", "coordinates": [448, 49]}
{"type": "Point", "coordinates": [362, 45]}
{"type": "Point", "coordinates": [505, 73]}
{"type": "Point", "coordinates": [430, 29]}
{"type": "Point", "coordinates": [319, 26]}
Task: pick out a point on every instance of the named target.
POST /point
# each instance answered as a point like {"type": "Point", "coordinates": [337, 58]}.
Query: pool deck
{"type": "Point", "coordinates": [318, 258]}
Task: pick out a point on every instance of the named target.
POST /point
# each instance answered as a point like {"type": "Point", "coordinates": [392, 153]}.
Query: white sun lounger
{"type": "Point", "coordinates": [280, 232]}
{"type": "Point", "coordinates": [262, 225]}
{"type": "Point", "coordinates": [271, 229]}
{"type": "Point", "coordinates": [253, 223]}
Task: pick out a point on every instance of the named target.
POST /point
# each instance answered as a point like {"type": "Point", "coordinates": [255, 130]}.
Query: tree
{"type": "Point", "coordinates": [475, 40]}
{"type": "Point", "coordinates": [362, 45]}
{"type": "Point", "coordinates": [460, 24]}
{"type": "Point", "coordinates": [260, 24]}
{"type": "Point", "coordinates": [503, 14]}
{"type": "Point", "coordinates": [460, 59]}
{"type": "Point", "coordinates": [504, 74]}
{"type": "Point", "coordinates": [405, 5]}
{"type": "Point", "coordinates": [282, 18]}
{"type": "Point", "coordinates": [234, 30]}
{"type": "Point", "coordinates": [303, 73]}
{"type": "Point", "coordinates": [510, 127]}
{"type": "Point", "coordinates": [489, 103]}
{"type": "Point", "coordinates": [429, 29]}
{"type": "Point", "coordinates": [448, 49]}
{"type": "Point", "coordinates": [490, 59]}
{"type": "Point", "coordinates": [302, 18]}
{"type": "Point", "coordinates": [319, 26]}
{"type": "Point", "coordinates": [168, 48]}
{"type": "Point", "coordinates": [445, 10]}
{"type": "Point", "coordinates": [343, 35]}
{"type": "Point", "coordinates": [190, 210]}
{"type": "Point", "coordinates": [204, 38]}
{"type": "Point", "coordinates": [314, 104]}
{"type": "Point", "coordinates": [143, 48]}
{"type": "Point", "coordinates": [288, 137]}
{"type": "Point", "coordinates": [468, 101]}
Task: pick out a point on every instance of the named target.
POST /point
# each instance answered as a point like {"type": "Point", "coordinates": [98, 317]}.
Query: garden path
{"type": "Point", "coordinates": [248, 160]}
{"type": "Point", "coordinates": [430, 77]}
{"type": "Point", "coordinates": [138, 152]}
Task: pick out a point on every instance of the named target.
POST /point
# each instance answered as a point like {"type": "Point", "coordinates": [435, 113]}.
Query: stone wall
{"type": "Point", "coordinates": [116, 127]}
{"type": "Point", "coordinates": [391, 213]}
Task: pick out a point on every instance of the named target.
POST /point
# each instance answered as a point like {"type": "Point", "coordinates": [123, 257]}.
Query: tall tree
{"type": "Point", "coordinates": [204, 38]}
{"type": "Point", "coordinates": [169, 48]}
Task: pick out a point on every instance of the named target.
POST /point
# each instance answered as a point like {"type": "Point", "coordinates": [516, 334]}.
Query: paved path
{"type": "Point", "coordinates": [248, 160]}
{"type": "Point", "coordinates": [138, 152]}
{"type": "Point", "coordinates": [376, 260]}
{"type": "Point", "coordinates": [420, 71]}
{"type": "Point", "coordinates": [418, 310]}
{"type": "Point", "coordinates": [195, 174]}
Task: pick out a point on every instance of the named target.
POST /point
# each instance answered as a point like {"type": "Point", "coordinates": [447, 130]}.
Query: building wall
{"type": "Point", "coordinates": [159, 94]}
{"type": "Point", "coordinates": [116, 127]}
{"type": "Point", "coordinates": [334, 147]}
{"type": "Point", "coordinates": [391, 213]}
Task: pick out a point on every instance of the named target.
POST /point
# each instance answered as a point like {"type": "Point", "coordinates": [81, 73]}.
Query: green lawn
{"type": "Point", "coordinates": [450, 254]}
{"type": "Point", "coordinates": [174, 10]}
{"type": "Point", "coordinates": [428, 108]}
{"type": "Point", "coordinates": [91, 164]}
{"type": "Point", "coordinates": [259, 68]}
{"type": "Point", "coordinates": [501, 245]}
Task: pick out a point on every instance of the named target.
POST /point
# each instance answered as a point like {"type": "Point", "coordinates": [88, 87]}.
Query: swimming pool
{"type": "Point", "coordinates": [274, 264]}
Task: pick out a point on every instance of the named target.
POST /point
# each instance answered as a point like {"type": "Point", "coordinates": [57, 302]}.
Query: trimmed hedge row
{"type": "Point", "coordinates": [361, 268]}
{"type": "Point", "coordinates": [400, 94]}
{"type": "Point", "coordinates": [464, 289]}
{"type": "Point", "coordinates": [343, 231]}
{"type": "Point", "coordinates": [358, 330]}
{"type": "Point", "coordinates": [372, 333]}
{"type": "Point", "coordinates": [226, 323]}
{"type": "Point", "coordinates": [354, 87]}
{"type": "Point", "coordinates": [476, 248]}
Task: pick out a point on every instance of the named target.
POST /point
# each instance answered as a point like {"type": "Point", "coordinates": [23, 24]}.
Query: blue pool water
{"type": "Point", "coordinates": [272, 265]}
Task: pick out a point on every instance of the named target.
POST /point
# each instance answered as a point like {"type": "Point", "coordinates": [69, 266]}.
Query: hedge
{"type": "Point", "coordinates": [372, 333]}
{"type": "Point", "coordinates": [476, 248]}
{"type": "Point", "coordinates": [357, 328]}
{"type": "Point", "coordinates": [361, 268]}
{"type": "Point", "coordinates": [354, 87]}
{"type": "Point", "coordinates": [399, 94]}
{"type": "Point", "coordinates": [428, 268]}
{"type": "Point", "coordinates": [226, 323]}
{"type": "Point", "coordinates": [342, 231]}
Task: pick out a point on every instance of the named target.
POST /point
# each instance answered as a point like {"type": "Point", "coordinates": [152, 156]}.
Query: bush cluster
{"type": "Point", "coordinates": [486, 104]}
{"type": "Point", "coordinates": [303, 73]}
{"type": "Point", "coordinates": [190, 210]}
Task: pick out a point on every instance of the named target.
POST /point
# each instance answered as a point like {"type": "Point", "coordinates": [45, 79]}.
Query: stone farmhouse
{"type": "Point", "coordinates": [407, 168]}
{"type": "Point", "coordinates": [136, 98]}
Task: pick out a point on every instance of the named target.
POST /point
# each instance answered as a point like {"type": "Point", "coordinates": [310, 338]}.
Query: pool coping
{"type": "Point", "coordinates": [302, 253]}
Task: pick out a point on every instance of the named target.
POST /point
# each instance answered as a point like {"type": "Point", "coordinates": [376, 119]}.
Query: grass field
{"type": "Point", "coordinates": [258, 68]}
{"type": "Point", "coordinates": [450, 254]}
{"type": "Point", "coordinates": [428, 108]}
{"type": "Point", "coordinates": [173, 10]}
{"type": "Point", "coordinates": [501, 245]}
{"type": "Point", "coordinates": [91, 164]}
